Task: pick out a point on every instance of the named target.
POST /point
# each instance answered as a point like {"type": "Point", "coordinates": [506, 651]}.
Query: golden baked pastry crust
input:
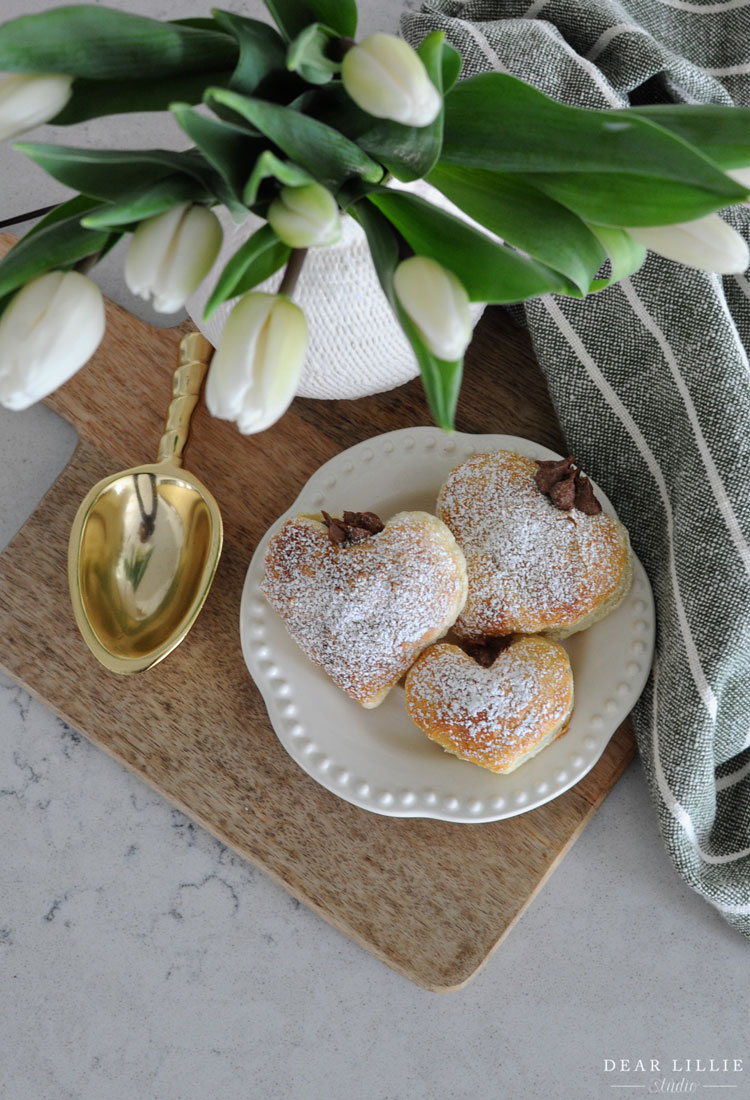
{"type": "Point", "coordinates": [497, 717]}
{"type": "Point", "coordinates": [533, 569]}
{"type": "Point", "coordinates": [364, 612]}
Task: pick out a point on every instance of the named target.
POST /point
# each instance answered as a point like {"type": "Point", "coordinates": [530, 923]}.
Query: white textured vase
{"type": "Point", "coordinates": [356, 345]}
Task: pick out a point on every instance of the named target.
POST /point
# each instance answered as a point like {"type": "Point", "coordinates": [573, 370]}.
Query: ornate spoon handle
{"type": "Point", "coordinates": [195, 355]}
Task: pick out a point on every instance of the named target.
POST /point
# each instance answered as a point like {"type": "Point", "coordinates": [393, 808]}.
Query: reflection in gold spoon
{"type": "Point", "coordinates": [145, 543]}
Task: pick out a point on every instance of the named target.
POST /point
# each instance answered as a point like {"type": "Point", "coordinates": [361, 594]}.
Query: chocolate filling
{"type": "Point", "coordinates": [352, 527]}
{"type": "Point", "coordinates": [566, 487]}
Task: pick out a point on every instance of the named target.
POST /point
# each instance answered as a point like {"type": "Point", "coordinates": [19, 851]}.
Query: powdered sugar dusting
{"type": "Point", "coordinates": [531, 566]}
{"type": "Point", "coordinates": [491, 715]}
{"type": "Point", "coordinates": [365, 611]}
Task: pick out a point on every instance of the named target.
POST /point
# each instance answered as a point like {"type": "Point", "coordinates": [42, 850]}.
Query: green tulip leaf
{"type": "Point", "coordinates": [496, 122]}
{"type": "Point", "coordinates": [97, 98]}
{"type": "Point", "coordinates": [382, 242]}
{"type": "Point", "coordinates": [262, 51]}
{"type": "Point", "coordinates": [308, 54]}
{"type": "Point", "coordinates": [146, 201]}
{"type": "Point", "coordinates": [322, 151]}
{"type": "Point", "coordinates": [292, 16]}
{"type": "Point", "coordinates": [627, 199]}
{"type": "Point", "coordinates": [198, 23]}
{"type": "Point", "coordinates": [102, 44]}
{"type": "Point", "coordinates": [397, 147]}
{"type": "Point", "coordinates": [269, 166]}
{"type": "Point", "coordinates": [57, 243]}
{"type": "Point", "coordinates": [79, 204]}
{"type": "Point", "coordinates": [524, 217]}
{"type": "Point", "coordinates": [625, 255]}
{"type": "Point", "coordinates": [450, 67]}
{"type": "Point", "coordinates": [441, 379]}
{"type": "Point", "coordinates": [721, 133]}
{"type": "Point", "coordinates": [106, 173]}
{"type": "Point", "coordinates": [258, 258]}
{"type": "Point", "coordinates": [227, 148]}
{"type": "Point", "coordinates": [490, 272]}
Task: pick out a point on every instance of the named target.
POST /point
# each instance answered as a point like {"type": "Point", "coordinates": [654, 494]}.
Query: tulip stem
{"type": "Point", "coordinates": [293, 268]}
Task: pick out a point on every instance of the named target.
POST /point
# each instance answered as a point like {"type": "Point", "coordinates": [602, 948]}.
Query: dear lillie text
{"type": "Point", "coordinates": [683, 1068]}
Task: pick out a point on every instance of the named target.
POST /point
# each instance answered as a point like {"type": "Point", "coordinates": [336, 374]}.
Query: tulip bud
{"type": "Point", "coordinates": [257, 367]}
{"type": "Point", "coordinates": [436, 302]}
{"type": "Point", "coordinates": [171, 253]}
{"type": "Point", "coordinates": [706, 243]}
{"type": "Point", "coordinates": [386, 77]}
{"type": "Point", "coordinates": [48, 331]}
{"type": "Point", "coordinates": [28, 99]}
{"type": "Point", "coordinates": [306, 216]}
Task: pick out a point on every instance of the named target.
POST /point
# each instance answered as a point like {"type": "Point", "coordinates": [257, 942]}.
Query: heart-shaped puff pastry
{"type": "Point", "coordinates": [364, 612]}
{"type": "Point", "coordinates": [533, 569]}
{"type": "Point", "coordinates": [497, 717]}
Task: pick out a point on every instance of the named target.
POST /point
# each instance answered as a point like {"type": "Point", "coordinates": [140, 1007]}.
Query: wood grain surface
{"type": "Point", "coordinates": [431, 899]}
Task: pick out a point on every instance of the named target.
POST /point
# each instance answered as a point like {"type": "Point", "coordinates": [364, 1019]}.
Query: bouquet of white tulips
{"type": "Point", "coordinates": [305, 124]}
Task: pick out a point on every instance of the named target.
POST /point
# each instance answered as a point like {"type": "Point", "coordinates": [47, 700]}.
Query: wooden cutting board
{"type": "Point", "coordinates": [429, 898]}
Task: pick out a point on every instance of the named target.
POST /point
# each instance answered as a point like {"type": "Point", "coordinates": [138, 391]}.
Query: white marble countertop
{"type": "Point", "coordinates": [141, 958]}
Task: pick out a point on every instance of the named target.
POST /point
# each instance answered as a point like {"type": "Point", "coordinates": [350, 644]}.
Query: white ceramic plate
{"type": "Point", "coordinates": [378, 759]}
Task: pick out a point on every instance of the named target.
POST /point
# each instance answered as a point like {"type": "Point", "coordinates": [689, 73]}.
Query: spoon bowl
{"type": "Point", "coordinates": [145, 543]}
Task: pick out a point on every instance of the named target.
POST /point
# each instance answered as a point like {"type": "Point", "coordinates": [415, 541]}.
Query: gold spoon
{"type": "Point", "coordinates": [145, 543]}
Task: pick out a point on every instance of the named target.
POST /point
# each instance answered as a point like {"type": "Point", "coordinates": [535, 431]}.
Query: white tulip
{"type": "Point", "coordinates": [171, 253]}
{"type": "Point", "coordinates": [48, 331]}
{"type": "Point", "coordinates": [256, 369]}
{"type": "Point", "coordinates": [305, 217]}
{"type": "Point", "coordinates": [437, 303]}
{"type": "Point", "coordinates": [28, 99]}
{"type": "Point", "coordinates": [386, 77]}
{"type": "Point", "coordinates": [706, 243]}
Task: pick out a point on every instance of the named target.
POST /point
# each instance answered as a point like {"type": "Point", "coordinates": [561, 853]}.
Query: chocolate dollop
{"type": "Point", "coordinates": [565, 485]}
{"type": "Point", "coordinates": [352, 527]}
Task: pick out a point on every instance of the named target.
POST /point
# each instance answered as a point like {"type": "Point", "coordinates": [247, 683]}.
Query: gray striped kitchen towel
{"type": "Point", "coordinates": [651, 383]}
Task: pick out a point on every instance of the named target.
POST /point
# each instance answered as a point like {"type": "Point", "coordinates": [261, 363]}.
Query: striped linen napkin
{"type": "Point", "coordinates": [651, 383]}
